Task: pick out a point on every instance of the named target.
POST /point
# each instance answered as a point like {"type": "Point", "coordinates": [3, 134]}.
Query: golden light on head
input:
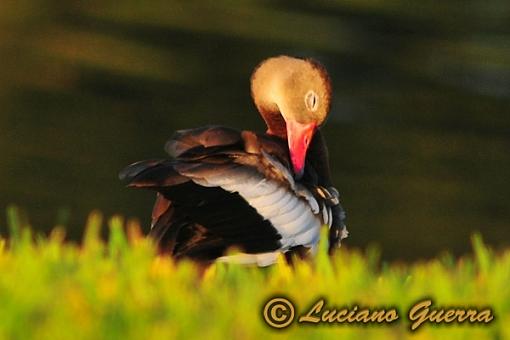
{"type": "Point", "coordinates": [293, 96]}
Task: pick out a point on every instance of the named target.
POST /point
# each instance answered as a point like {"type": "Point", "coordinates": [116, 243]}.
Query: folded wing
{"type": "Point", "coordinates": [226, 188]}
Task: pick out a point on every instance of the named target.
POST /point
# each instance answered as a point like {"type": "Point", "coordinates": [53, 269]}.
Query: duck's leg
{"type": "Point", "coordinates": [294, 253]}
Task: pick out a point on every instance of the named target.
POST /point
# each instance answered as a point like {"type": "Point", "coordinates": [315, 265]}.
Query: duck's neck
{"type": "Point", "coordinates": [266, 88]}
{"type": "Point", "coordinates": [318, 158]}
{"type": "Point", "coordinates": [276, 125]}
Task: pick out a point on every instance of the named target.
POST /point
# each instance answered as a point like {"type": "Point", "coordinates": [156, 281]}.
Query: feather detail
{"type": "Point", "coordinates": [226, 188]}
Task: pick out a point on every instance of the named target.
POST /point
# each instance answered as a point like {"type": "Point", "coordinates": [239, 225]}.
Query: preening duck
{"type": "Point", "coordinates": [261, 193]}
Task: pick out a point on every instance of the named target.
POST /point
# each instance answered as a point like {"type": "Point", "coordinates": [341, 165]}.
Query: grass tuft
{"type": "Point", "coordinates": [50, 288]}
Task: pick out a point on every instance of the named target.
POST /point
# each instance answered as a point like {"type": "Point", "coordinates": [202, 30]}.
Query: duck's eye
{"type": "Point", "coordinates": [312, 101]}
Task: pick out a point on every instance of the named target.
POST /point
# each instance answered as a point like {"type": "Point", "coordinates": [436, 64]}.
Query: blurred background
{"type": "Point", "coordinates": [419, 131]}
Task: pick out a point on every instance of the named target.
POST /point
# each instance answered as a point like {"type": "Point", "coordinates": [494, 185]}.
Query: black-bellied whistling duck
{"type": "Point", "coordinates": [263, 194]}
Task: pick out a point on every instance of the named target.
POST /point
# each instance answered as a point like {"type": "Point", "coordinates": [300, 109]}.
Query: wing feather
{"type": "Point", "coordinates": [200, 211]}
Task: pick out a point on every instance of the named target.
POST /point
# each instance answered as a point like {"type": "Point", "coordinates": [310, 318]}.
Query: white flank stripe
{"type": "Point", "coordinates": [286, 216]}
{"type": "Point", "coordinates": [288, 205]}
{"type": "Point", "coordinates": [311, 234]}
{"type": "Point", "coordinates": [262, 259]}
{"type": "Point", "coordinates": [265, 200]}
{"type": "Point", "coordinates": [292, 216]}
{"type": "Point", "coordinates": [299, 225]}
{"type": "Point", "coordinates": [272, 211]}
{"type": "Point", "coordinates": [253, 187]}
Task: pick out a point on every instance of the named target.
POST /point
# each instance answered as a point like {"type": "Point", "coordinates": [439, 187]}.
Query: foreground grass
{"type": "Point", "coordinates": [50, 289]}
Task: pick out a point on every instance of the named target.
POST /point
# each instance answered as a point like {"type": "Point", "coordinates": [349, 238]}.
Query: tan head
{"type": "Point", "coordinates": [293, 96]}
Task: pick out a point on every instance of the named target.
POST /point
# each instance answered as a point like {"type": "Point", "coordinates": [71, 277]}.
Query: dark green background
{"type": "Point", "coordinates": [419, 131]}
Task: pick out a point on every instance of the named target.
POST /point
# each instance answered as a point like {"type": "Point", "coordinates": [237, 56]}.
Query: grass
{"type": "Point", "coordinates": [52, 289]}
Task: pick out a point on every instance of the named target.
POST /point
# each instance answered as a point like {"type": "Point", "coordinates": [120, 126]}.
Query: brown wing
{"type": "Point", "coordinates": [192, 220]}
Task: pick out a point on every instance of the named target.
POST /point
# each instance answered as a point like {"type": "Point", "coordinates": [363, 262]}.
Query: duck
{"type": "Point", "coordinates": [262, 194]}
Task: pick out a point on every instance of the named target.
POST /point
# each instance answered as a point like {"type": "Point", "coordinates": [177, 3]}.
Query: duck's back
{"type": "Point", "coordinates": [225, 189]}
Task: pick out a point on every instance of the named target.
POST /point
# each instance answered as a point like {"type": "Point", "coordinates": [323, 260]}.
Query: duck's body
{"type": "Point", "coordinates": [225, 189]}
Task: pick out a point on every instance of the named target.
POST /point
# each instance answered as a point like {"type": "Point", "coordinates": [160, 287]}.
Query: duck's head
{"type": "Point", "coordinates": [293, 96]}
